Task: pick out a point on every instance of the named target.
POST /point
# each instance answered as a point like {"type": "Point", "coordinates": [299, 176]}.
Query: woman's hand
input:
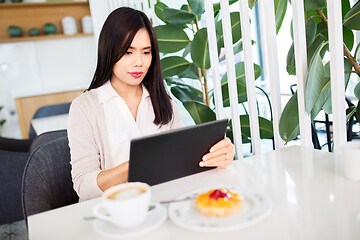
{"type": "Point", "coordinates": [221, 155]}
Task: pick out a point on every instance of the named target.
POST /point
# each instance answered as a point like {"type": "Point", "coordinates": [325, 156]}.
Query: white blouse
{"type": "Point", "coordinates": [121, 125]}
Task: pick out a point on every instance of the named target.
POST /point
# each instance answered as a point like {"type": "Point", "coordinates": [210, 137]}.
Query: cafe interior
{"type": "Point", "coordinates": [277, 79]}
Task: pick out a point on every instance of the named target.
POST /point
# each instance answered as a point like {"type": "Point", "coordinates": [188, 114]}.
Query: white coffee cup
{"type": "Point", "coordinates": [350, 156]}
{"type": "Point", "coordinates": [125, 205]}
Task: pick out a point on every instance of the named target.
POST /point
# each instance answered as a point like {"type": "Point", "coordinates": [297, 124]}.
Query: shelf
{"type": "Point", "coordinates": [37, 4]}
{"type": "Point", "coordinates": [45, 37]}
{"type": "Point", "coordinates": [35, 15]}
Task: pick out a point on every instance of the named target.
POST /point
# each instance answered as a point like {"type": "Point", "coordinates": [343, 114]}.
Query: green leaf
{"type": "Point", "coordinates": [199, 112]}
{"type": "Point", "coordinates": [289, 120]}
{"type": "Point", "coordinates": [178, 17]}
{"type": "Point", "coordinates": [314, 4]}
{"type": "Point", "coordinates": [192, 72]}
{"type": "Point", "coordinates": [171, 38]}
{"type": "Point", "coordinates": [357, 90]}
{"type": "Point", "coordinates": [185, 7]}
{"type": "Point", "coordinates": [345, 7]}
{"type": "Point", "coordinates": [197, 6]}
{"type": "Point", "coordinates": [315, 80]}
{"type": "Point", "coordinates": [311, 50]}
{"type": "Point", "coordinates": [311, 28]}
{"type": "Point", "coordinates": [280, 10]}
{"type": "Point", "coordinates": [229, 134]}
{"type": "Point", "coordinates": [235, 27]}
{"type": "Point", "coordinates": [238, 48]}
{"type": "Point", "coordinates": [348, 36]}
{"type": "Point", "coordinates": [173, 65]}
{"type": "Point", "coordinates": [350, 112]}
{"type": "Point", "coordinates": [159, 11]}
{"type": "Point", "coordinates": [352, 18]}
{"type": "Point", "coordinates": [252, 3]}
{"type": "Point", "coordinates": [186, 93]}
{"type": "Point", "coordinates": [290, 61]}
{"type": "Point", "coordinates": [240, 83]}
{"type": "Point", "coordinates": [326, 92]}
{"type": "Point", "coordinates": [265, 127]}
{"type": "Point", "coordinates": [187, 49]}
{"type": "Point", "coordinates": [200, 49]}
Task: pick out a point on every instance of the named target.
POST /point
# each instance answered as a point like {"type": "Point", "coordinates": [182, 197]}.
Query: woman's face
{"type": "Point", "coordinates": [133, 66]}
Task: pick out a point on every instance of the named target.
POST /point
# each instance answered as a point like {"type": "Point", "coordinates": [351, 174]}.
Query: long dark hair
{"type": "Point", "coordinates": [115, 39]}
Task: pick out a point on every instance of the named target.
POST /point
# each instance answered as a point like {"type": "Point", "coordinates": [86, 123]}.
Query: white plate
{"type": "Point", "coordinates": [156, 217]}
{"type": "Point", "coordinates": [255, 208]}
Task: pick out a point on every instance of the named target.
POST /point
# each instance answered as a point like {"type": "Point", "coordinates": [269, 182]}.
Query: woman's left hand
{"type": "Point", "coordinates": [221, 155]}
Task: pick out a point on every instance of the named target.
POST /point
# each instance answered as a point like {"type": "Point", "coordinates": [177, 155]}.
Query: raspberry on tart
{"type": "Point", "coordinates": [219, 202]}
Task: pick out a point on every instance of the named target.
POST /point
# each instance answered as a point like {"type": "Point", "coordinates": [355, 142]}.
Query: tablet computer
{"type": "Point", "coordinates": [170, 155]}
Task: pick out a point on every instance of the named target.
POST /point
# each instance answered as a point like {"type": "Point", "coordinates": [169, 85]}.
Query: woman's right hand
{"type": "Point", "coordinates": [114, 176]}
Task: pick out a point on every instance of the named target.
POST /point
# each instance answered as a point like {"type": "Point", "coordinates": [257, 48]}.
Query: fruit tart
{"type": "Point", "coordinates": [219, 202]}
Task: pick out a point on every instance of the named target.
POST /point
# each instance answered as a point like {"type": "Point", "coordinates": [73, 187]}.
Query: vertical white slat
{"type": "Point", "coordinates": [99, 11]}
{"type": "Point", "coordinates": [154, 18]}
{"type": "Point", "coordinates": [136, 4]}
{"type": "Point", "coordinates": [250, 77]}
{"type": "Point", "coordinates": [337, 73]}
{"type": "Point", "coordinates": [268, 33]}
{"type": "Point", "coordinates": [214, 59]}
{"type": "Point", "coordinates": [146, 8]}
{"type": "Point", "coordinates": [231, 75]}
{"type": "Point", "coordinates": [301, 70]}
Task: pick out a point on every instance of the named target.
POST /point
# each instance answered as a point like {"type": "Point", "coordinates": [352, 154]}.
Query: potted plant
{"type": "Point", "coordinates": [186, 72]}
{"type": "Point", "coordinates": [317, 89]}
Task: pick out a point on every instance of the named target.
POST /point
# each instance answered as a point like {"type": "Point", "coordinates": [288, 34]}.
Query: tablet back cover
{"type": "Point", "coordinates": [166, 156]}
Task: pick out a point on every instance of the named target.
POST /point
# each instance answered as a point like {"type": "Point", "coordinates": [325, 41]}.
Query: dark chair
{"type": "Point", "coordinates": [14, 154]}
{"type": "Point", "coordinates": [46, 137]}
{"type": "Point", "coordinates": [47, 111]}
{"type": "Point", "coordinates": [47, 182]}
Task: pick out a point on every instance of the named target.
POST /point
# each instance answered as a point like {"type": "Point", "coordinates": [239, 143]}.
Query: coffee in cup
{"type": "Point", "coordinates": [125, 205]}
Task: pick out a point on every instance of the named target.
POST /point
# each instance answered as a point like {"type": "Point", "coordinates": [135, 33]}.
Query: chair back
{"type": "Point", "coordinates": [11, 172]}
{"type": "Point", "coordinates": [47, 182]}
{"type": "Point", "coordinates": [14, 145]}
{"type": "Point", "coordinates": [46, 137]}
{"type": "Point", "coordinates": [47, 111]}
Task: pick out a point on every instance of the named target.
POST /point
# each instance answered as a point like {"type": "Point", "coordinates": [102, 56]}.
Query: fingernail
{"type": "Point", "coordinates": [204, 158]}
{"type": "Point", "coordinates": [201, 164]}
{"type": "Point", "coordinates": [212, 150]}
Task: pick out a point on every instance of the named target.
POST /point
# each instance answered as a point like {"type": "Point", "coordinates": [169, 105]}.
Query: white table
{"type": "Point", "coordinates": [311, 200]}
{"type": "Point", "coordinates": [52, 123]}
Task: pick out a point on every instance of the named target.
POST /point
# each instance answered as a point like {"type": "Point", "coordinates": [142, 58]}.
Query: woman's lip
{"type": "Point", "coordinates": [136, 74]}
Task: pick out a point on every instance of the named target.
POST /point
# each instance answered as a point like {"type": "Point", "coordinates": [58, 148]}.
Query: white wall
{"type": "Point", "coordinates": [40, 67]}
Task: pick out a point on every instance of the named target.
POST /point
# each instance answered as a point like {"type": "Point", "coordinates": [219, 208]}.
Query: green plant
{"type": "Point", "coordinates": [182, 34]}
{"type": "Point", "coordinates": [317, 90]}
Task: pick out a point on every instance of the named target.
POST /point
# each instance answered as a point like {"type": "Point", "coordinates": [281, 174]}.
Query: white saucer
{"type": "Point", "coordinates": [255, 208]}
{"type": "Point", "coordinates": [156, 217]}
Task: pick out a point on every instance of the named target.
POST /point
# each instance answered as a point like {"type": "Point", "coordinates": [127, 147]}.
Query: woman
{"type": "Point", "coordinates": [127, 98]}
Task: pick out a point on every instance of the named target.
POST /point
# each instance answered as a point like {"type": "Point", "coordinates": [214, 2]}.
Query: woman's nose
{"type": "Point", "coordinates": [138, 61]}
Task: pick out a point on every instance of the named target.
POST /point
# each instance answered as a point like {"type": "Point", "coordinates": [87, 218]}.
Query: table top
{"type": "Point", "coordinates": [51, 123]}
{"type": "Point", "coordinates": [311, 199]}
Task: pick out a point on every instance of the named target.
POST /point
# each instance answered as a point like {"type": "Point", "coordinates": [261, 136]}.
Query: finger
{"type": "Point", "coordinates": [223, 143]}
{"type": "Point", "coordinates": [222, 160]}
{"type": "Point", "coordinates": [227, 149]}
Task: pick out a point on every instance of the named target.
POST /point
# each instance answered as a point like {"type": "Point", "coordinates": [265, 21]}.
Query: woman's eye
{"type": "Point", "coordinates": [128, 53]}
{"type": "Point", "coordinates": [146, 53]}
